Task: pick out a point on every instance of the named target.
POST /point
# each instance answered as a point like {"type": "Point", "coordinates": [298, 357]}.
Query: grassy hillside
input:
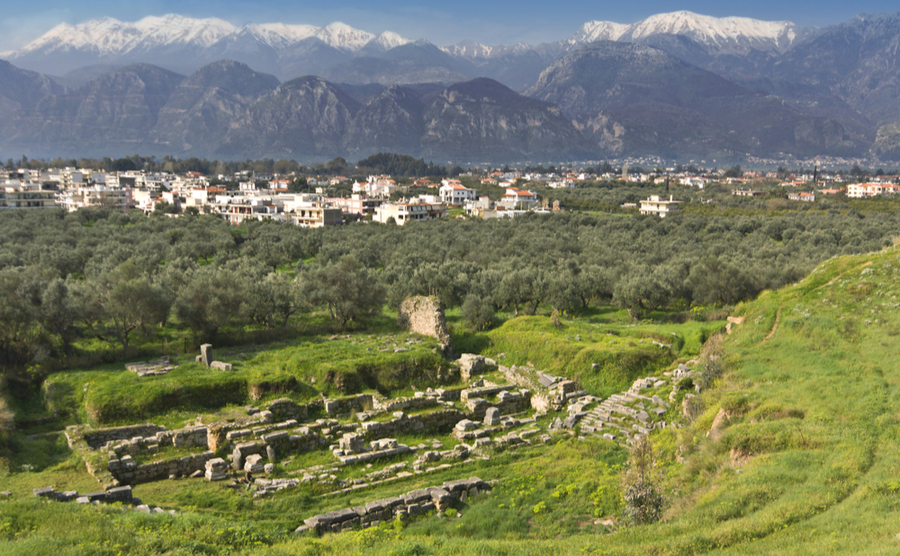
{"type": "Point", "coordinates": [604, 349]}
{"type": "Point", "coordinates": [808, 459]}
{"type": "Point", "coordinates": [301, 369]}
{"type": "Point", "coordinates": [804, 457]}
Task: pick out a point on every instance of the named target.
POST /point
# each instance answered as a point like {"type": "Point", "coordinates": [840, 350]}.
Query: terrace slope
{"type": "Point", "coordinates": [806, 462]}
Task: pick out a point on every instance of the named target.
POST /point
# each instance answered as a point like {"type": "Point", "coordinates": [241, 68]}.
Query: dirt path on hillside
{"type": "Point", "coordinates": [836, 278]}
{"type": "Point", "coordinates": [774, 327]}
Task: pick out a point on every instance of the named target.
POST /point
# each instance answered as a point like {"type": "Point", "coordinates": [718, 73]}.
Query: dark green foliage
{"type": "Point", "coordinates": [400, 165]}
{"type": "Point", "coordinates": [349, 290]}
{"type": "Point", "coordinates": [120, 301]}
{"type": "Point", "coordinates": [221, 279]}
{"type": "Point", "coordinates": [478, 312]}
{"type": "Point", "coordinates": [644, 290]}
{"type": "Point", "coordinates": [208, 300]}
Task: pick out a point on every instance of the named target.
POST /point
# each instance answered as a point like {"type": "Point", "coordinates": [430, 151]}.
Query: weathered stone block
{"type": "Point", "coordinates": [206, 356]}
{"type": "Point", "coordinates": [44, 492]}
{"type": "Point", "coordinates": [119, 494]}
{"type": "Point", "coordinates": [492, 417]}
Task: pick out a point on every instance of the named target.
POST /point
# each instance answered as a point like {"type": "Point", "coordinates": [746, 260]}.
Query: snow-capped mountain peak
{"type": "Point", "coordinates": [388, 40]}
{"type": "Point", "coordinates": [281, 35]}
{"type": "Point", "coordinates": [737, 34]}
{"type": "Point", "coordinates": [469, 50]}
{"type": "Point", "coordinates": [713, 30]}
{"type": "Point", "coordinates": [342, 36]}
{"type": "Point", "coordinates": [599, 31]}
{"type": "Point", "coordinates": [177, 29]}
{"type": "Point", "coordinates": [109, 37]}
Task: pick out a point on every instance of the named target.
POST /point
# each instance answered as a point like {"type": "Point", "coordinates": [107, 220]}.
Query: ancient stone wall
{"type": "Point", "coordinates": [98, 438]}
{"type": "Point", "coordinates": [342, 406]}
{"type": "Point", "coordinates": [306, 441]}
{"type": "Point", "coordinates": [424, 315]}
{"type": "Point", "coordinates": [184, 438]}
{"type": "Point", "coordinates": [521, 377]}
{"type": "Point", "coordinates": [285, 409]}
{"type": "Point", "coordinates": [435, 422]}
{"type": "Point", "coordinates": [506, 402]}
{"type": "Point", "coordinates": [127, 472]}
{"type": "Point", "coordinates": [450, 394]}
{"type": "Point", "coordinates": [410, 504]}
{"type": "Point", "coordinates": [483, 392]}
{"type": "Point", "coordinates": [390, 406]}
{"type": "Point", "coordinates": [515, 402]}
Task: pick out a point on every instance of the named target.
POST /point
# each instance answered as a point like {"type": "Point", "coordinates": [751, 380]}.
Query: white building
{"type": "Point", "coordinates": [237, 208]}
{"type": "Point", "coordinates": [694, 181]}
{"type": "Point", "coordinates": [658, 206]}
{"type": "Point", "coordinates": [28, 195]}
{"type": "Point", "coordinates": [96, 196]}
{"type": "Point", "coordinates": [311, 211]}
{"type": "Point", "coordinates": [455, 194]}
{"type": "Point", "coordinates": [402, 213]}
{"type": "Point", "coordinates": [865, 190]}
{"type": "Point", "coordinates": [518, 199]}
{"type": "Point", "coordinates": [376, 186]}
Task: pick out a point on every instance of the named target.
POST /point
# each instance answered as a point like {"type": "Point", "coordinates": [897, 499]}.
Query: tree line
{"type": "Point", "coordinates": [114, 277]}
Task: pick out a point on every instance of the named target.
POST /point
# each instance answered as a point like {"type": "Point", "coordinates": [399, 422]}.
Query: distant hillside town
{"type": "Point", "coordinates": [327, 200]}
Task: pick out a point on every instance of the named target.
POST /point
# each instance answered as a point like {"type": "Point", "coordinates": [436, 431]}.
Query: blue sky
{"type": "Point", "coordinates": [442, 23]}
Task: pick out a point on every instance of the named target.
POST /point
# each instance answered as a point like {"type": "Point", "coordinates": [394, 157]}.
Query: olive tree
{"type": "Point", "coordinates": [347, 289]}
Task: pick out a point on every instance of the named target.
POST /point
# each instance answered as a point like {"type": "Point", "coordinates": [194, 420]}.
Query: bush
{"type": "Point", "coordinates": [478, 312]}
{"type": "Point", "coordinates": [642, 493]}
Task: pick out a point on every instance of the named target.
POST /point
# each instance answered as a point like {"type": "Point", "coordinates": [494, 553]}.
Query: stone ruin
{"type": "Point", "coordinates": [117, 494]}
{"type": "Point", "coordinates": [108, 496]}
{"type": "Point", "coordinates": [164, 364]}
{"type": "Point", "coordinates": [424, 315]}
{"type": "Point", "coordinates": [206, 358]}
{"type": "Point", "coordinates": [364, 428]}
{"type": "Point", "coordinates": [471, 365]}
{"type": "Point", "coordinates": [419, 501]}
{"type": "Point", "coordinates": [154, 367]}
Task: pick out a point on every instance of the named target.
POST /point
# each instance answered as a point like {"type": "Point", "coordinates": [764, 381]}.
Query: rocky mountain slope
{"type": "Point", "coordinates": [205, 105]}
{"type": "Point", "coordinates": [484, 120]}
{"type": "Point", "coordinates": [116, 108]}
{"type": "Point", "coordinates": [629, 97]}
{"type": "Point", "coordinates": [21, 89]}
{"type": "Point", "coordinates": [305, 116]}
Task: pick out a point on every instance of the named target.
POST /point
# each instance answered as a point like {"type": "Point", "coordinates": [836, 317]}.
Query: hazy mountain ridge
{"type": "Point", "coordinates": [671, 84]}
{"type": "Point", "coordinates": [227, 109]}
{"type": "Point", "coordinates": [633, 98]}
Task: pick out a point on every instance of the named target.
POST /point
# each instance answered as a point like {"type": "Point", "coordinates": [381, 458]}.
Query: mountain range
{"type": "Point", "coordinates": [673, 85]}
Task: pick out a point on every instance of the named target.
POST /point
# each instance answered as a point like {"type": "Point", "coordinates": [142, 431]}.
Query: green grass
{"type": "Point", "coordinates": [301, 370]}
{"type": "Point", "coordinates": [604, 349]}
{"type": "Point", "coordinates": [806, 463]}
